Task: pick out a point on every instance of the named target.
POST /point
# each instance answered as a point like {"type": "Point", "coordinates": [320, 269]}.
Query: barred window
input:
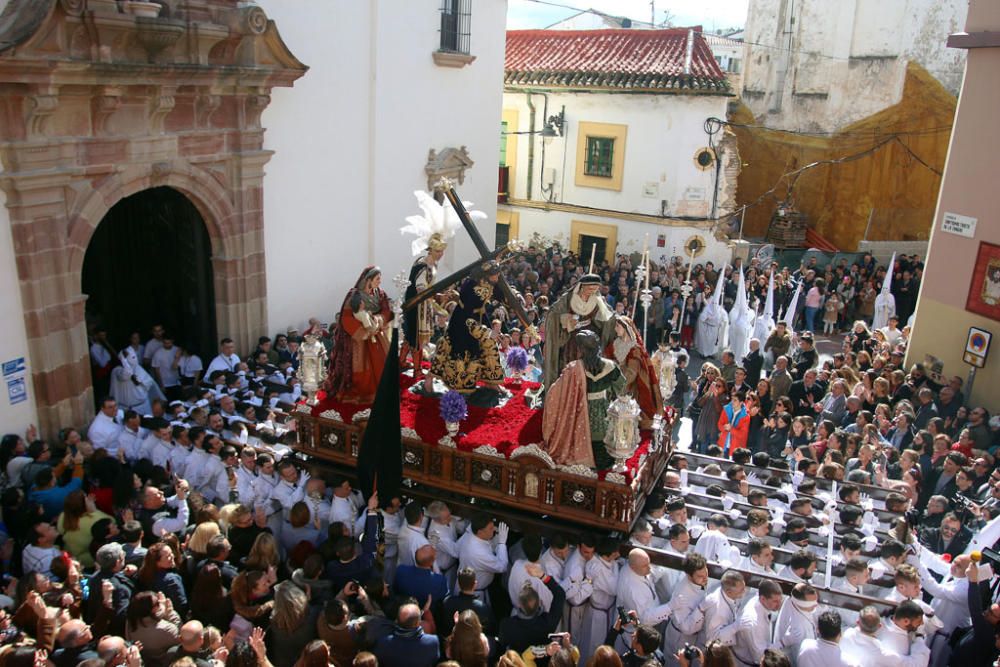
{"type": "Point", "coordinates": [600, 156]}
{"type": "Point", "coordinates": [456, 25]}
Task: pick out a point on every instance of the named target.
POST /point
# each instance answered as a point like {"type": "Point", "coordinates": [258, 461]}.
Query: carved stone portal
{"type": "Point", "coordinates": [97, 104]}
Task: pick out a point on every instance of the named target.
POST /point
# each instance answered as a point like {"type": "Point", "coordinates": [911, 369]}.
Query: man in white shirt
{"type": "Point", "coordinates": [160, 443]}
{"type": "Point", "coordinates": [292, 487]}
{"type": "Point", "coordinates": [908, 587]}
{"type": "Point", "coordinates": [343, 509]}
{"type": "Point", "coordinates": [825, 651]}
{"type": "Point", "coordinates": [555, 557]}
{"type": "Point", "coordinates": [153, 345]}
{"type": "Point", "coordinates": [800, 567]}
{"type": "Point", "coordinates": [130, 437]}
{"type": "Point", "coordinates": [164, 363]}
{"type": "Point", "coordinates": [891, 554]}
{"type": "Point", "coordinates": [603, 574]}
{"type": "Point", "coordinates": [901, 634]}
{"type": "Point", "coordinates": [37, 556]}
{"type": "Point", "coordinates": [520, 576]}
{"type": "Point", "coordinates": [759, 558]}
{"type": "Point", "coordinates": [577, 586]}
{"type": "Point", "coordinates": [951, 597]}
{"type": "Point", "coordinates": [713, 543]}
{"type": "Point", "coordinates": [687, 617]}
{"type": "Point", "coordinates": [636, 592]}
{"type": "Point", "coordinates": [797, 620]}
{"type": "Point", "coordinates": [860, 644]}
{"type": "Point", "coordinates": [443, 532]}
{"type": "Point", "coordinates": [758, 623]}
{"type": "Point", "coordinates": [476, 551]}
{"type": "Point", "coordinates": [412, 536]}
{"type": "Point", "coordinates": [722, 609]}
{"type": "Point", "coordinates": [181, 451]}
{"type": "Point", "coordinates": [105, 429]}
{"type": "Point", "coordinates": [854, 581]}
{"type": "Point", "coordinates": [227, 359]}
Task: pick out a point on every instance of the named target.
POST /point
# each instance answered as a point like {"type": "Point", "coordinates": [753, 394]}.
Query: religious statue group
{"type": "Point", "coordinates": [591, 356]}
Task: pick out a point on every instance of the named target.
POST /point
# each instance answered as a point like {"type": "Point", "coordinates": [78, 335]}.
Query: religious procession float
{"type": "Point", "coordinates": [456, 416]}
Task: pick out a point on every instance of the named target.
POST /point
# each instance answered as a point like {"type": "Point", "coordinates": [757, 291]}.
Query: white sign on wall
{"type": "Point", "coordinates": [961, 225]}
{"type": "Point", "coordinates": [13, 374]}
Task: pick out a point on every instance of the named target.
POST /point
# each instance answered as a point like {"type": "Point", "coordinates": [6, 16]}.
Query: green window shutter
{"type": "Point", "coordinates": [600, 156]}
{"type": "Point", "coordinates": [503, 144]}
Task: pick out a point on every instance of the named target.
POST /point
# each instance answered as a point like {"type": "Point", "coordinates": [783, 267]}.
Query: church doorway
{"type": "Point", "coordinates": [148, 263]}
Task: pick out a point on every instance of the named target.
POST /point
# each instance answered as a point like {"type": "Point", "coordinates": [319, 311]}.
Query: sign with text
{"type": "Point", "coordinates": [960, 225]}
{"type": "Point", "coordinates": [977, 347]}
{"type": "Point", "coordinates": [13, 375]}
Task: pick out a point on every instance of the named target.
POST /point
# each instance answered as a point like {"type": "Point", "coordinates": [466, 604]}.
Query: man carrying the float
{"type": "Point", "coordinates": [581, 308]}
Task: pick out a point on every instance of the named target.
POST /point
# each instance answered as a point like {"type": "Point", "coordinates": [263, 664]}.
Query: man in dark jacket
{"type": "Point", "coordinates": [466, 599]}
{"type": "Point", "coordinates": [408, 645]}
{"type": "Point", "coordinates": [350, 565]}
{"type": "Point", "coordinates": [950, 538]}
{"type": "Point", "coordinates": [806, 356]}
{"type": "Point", "coordinates": [753, 363]}
{"type": "Point", "coordinates": [976, 645]}
{"type": "Point", "coordinates": [111, 561]}
{"type": "Point", "coordinates": [530, 626]}
{"type": "Point", "coordinates": [645, 645]}
{"type": "Point", "coordinates": [806, 394]}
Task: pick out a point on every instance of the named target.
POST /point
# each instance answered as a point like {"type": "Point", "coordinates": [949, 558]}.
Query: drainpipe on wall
{"type": "Point", "coordinates": [531, 143]}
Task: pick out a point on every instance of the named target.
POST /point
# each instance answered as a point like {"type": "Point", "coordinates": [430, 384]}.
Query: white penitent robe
{"type": "Point", "coordinates": [710, 333]}
{"type": "Point", "coordinates": [132, 396]}
{"type": "Point", "coordinates": [740, 331]}
{"type": "Point", "coordinates": [885, 307]}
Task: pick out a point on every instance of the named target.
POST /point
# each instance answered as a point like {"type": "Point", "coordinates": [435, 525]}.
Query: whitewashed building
{"type": "Point", "coordinates": [223, 167]}
{"type": "Point", "coordinates": [815, 65]}
{"type": "Point", "coordinates": [605, 142]}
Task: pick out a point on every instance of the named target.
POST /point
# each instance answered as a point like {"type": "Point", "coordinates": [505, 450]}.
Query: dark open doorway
{"type": "Point", "coordinates": [598, 245]}
{"type": "Point", "coordinates": [149, 262]}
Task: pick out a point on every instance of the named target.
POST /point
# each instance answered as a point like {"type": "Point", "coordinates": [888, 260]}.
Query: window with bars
{"type": "Point", "coordinates": [456, 25]}
{"type": "Point", "coordinates": [600, 156]}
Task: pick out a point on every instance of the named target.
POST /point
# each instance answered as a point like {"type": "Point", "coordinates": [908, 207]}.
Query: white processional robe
{"type": "Point", "coordinates": [823, 653]}
{"type": "Point", "coordinates": [686, 618]}
{"type": "Point", "coordinates": [578, 591]}
{"type": "Point", "coordinates": [795, 625]}
{"type": "Point", "coordinates": [710, 331]}
{"type": "Point", "coordinates": [756, 633]}
{"type": "Point", "coordinates": [869, 651]}
{"type": "Point", "coordinates": [600, 612]}
{"type": "Point", "coordinates": [635, 593]}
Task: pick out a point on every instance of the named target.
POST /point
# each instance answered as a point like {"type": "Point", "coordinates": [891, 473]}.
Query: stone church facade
{"type": "Point", "coordinates": [97, 104]}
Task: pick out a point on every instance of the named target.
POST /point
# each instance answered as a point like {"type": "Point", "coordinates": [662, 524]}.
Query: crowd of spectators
{"type": "Point", "coordinates": [180, 528]}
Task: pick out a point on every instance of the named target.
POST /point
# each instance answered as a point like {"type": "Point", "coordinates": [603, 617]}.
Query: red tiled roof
{"type": "Point", "coordinates": [618, 59]}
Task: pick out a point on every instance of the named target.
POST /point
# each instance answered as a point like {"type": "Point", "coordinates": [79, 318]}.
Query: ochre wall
{"type": "Point", "coordinates": [838, 198]}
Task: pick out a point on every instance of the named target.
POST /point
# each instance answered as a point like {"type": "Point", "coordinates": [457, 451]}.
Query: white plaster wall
{"type": "Point", "coordinates": [351, 141]}
{"type": "Point", "coordinates": [664, 133]}
{"type": "Point", "coordinates": [13, 336]}
{"type": "Point", "coordinates": [840, 49]}
{"type": "Point", "coordinates": [632, 235]}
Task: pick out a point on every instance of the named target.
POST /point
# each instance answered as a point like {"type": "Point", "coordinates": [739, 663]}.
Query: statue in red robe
{"type": "Point", "coordinates": [642, 384]}
{"type": "Point", "coordinates": [360, 344]}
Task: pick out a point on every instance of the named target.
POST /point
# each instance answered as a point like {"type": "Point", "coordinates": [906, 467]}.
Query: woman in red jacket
{"type": "Point", "coordinates": [734, 424]}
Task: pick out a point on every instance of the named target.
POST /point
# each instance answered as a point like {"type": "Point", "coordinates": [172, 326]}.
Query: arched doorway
{"type": "Point", "coordinates": [149, 262]}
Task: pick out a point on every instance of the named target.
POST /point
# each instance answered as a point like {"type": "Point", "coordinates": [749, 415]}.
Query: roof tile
{"type": "Point", "coordinates": [612, 58]}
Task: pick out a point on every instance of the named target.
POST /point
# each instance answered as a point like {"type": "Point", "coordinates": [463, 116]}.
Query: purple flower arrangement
{"type": "Point", "coordinates": [453, 407]}
{"type": "Point", "coordinates": [517, 359]}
